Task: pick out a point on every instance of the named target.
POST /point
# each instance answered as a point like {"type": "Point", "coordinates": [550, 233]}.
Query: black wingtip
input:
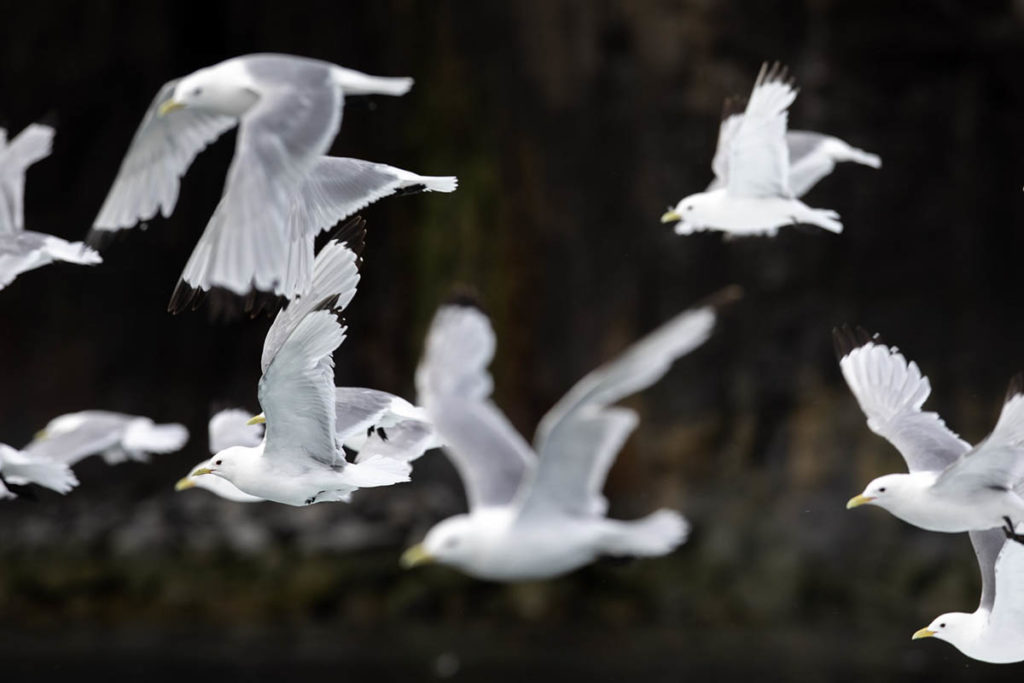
{"type": "Point", "coordinates": [774, 72]}
{"type": "Point", "coordinates": [410, 189]}
{"type": "Point", "coordinates": [1016, 387]}
{"type": "Point", "coordinates": [224, 305]}
{"type": "Point", "coordinates": [101, 239]}
{"type": "Point", "coordinates": [352, 233]}
{"type": "Point", "coordinates": [846, 338]}
{"type": "Point", "coordinates": [465, 296]}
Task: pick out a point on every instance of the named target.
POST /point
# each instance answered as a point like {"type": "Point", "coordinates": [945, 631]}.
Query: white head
{"type": "Point", "coordinates": [956, 628]}
{"type": "Point", "coordinates": [887, 491]}
{"type": "Point", "coordinates": [227, 463]}
{"type": "Point", "coordinates": [692, 213]}
{"type": "Point", "coordinates": [453, 542]}
{"type": "Point", "coordinates": [224, 89]}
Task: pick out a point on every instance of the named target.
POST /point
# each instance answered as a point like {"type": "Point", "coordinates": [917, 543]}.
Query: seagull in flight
{"type": "Point", "coordinates": [761, 171]}
{"type": "Point", "coordinates": [281, 190]}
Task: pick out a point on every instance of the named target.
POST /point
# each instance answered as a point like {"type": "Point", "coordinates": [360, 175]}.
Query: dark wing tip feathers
{"type": "Point", "coordinates": [1016, 386]}
{"type": "Point", "coordinates": [352, 233]}
{"type": "Point", "coordinates": [846, 338]}
{"type": "Point", "coordinates": [224, 305]}
{"type": "Point", "coordinates": [776, 72]}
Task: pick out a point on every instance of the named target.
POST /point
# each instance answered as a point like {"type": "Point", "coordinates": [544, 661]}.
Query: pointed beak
{"type": "Point", "coordinates": [923, 633]}
{"type": "Point", "coordinates": [857, 501]}
{"type": "Point", "coordinates": [201, 471]}
{"type": "Point", "coordinates": [257, 420]}
{"type": "Point", "coordinates": [670, 217]}
{"type": "Point", "coordinates": [167, 106]}
{"type": "Point", "coordinates": [184, 483]}
{"type": "Point", "coordinates": [415, 556]}
{"type": "Point", "coordinates": [40, 435]}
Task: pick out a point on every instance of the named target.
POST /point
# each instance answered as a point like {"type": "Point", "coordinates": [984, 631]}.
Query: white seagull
{"type": "Point", "coordinates": [536, 513]}
{"type": "Point", "coordinates": [117, 437]}
{"type": "Point", "coordinates": [995, 631]}
{"type": "Point", "coordinates": [22, 250]}
{"type": "Point", "coordinates": [761, 170]}
{"type": "Point", "coordinates": [301, 459]}
{"type": "Point", "coordinates": [20, 469]}
{"type": "Point", "coordinates": [227, 428]}
{"type": "Point", "coordinates": [951, 487]}
{"type": "Point", "coordinates": [280, 190]}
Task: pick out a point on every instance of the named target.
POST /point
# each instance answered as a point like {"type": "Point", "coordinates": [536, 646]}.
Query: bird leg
{"type": "Point", "coordinates": [1011, 533]}
{"type": "Point", "coordinates": [382, 434]}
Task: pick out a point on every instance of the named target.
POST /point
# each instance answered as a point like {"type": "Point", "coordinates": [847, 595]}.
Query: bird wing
{"type": "Point", "coordinates": [358, 409]}
{"type": "Point", "coordinates": [891, 392]}
{"type": "Point", "coordinates": [297, 393]}
{"type": "Point", "coordinates": [998, 461]}
{"type": "Point", "coordinates": [758, 157]}
{"type": "Point", "coordinates": [454, 388]}
{"type": "Point", "coordinates": [246, 244]}
{"type": "Point", "coordinates": [732, 116]}
{"type": "Point", "coordinates": [987, 545]}
{"type": "Point", "coordinates": [812, 156]}
{"type": "Point", "coordinates": [335, 278]}
{"type": "Point", "coordinates": [578, 439]}
{"type": "Point", "coordinates": [99, 431]}
{"type": "Point", "coordinates": [28, 147]}
{"type": "Point", "coordinates": [21, 469]}
{"type": "Point", "coordinates": [228, 428]}
{"type": "Point", "coordinates": [1005, 600]}
{"type": "Point", "coordinates": [161, 151]}
{"type": "Point", "coordinates": [337, 187]}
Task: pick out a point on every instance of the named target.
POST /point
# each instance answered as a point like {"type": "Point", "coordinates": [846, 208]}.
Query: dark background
{"type": "Point", "coordinates": [571, 126]}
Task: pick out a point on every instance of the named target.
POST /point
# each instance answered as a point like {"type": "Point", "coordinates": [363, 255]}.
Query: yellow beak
{"type": "Point", "coordinates": [201, 470]}
{"type": "Point", "coordinates": [168, 106]}
{"type": "Point", "coordinates": [184, 483]}
{"type": "Point", "coordinates": [857, 501]}
{"type": "Point", "coordinates": [670, 217]}
{"type": "Point", "coordinates": [414, 556]}
{"type": "Point", "coordinates": [257, 420]}
{"type": "Point", "coordinates": [40, 435]}
{"type": "Point", "coordinates": [923, 633]}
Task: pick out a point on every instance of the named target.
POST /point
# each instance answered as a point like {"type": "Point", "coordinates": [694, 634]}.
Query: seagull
{"type": "Point", "coordinates": [995, 631]}
{"type": "Point", "coordinates": [536, 513]}
{"type": "Point", "coordinates": [20, 469]}
{"type": "Point", "coordinates": [301, 459]}
{"type": "Point", "coordinates": [227, 428]}
{"type": "Point", "coordinates": [280, 190]}
{"type": "Point", "coordinates": [117, 437]}
{"type": "Point", "coordinates": [951, 486]}
{"type": "Point", "coordinates": [761, 170]}
{"type": "Point", "coordinates": [22, 250]}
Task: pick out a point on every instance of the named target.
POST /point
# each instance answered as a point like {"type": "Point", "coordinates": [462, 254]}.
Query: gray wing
{"type": "Point", "coordinates": [296, 393]}
{"type": "Point", "coordinates": [98, 432]}
{"type": "Point", "coordinates": [758, 155]}
{"type": "Point", "coordinates": [454, 387]}
{"type": "Point", "coordinates": [228, 428]}
{"type": "Point", "coordinates": [338, 187]}
{"type": "Point", "coordinates": [812, 156]}
{"type": "Point", "coordinates": [578, 439]}
{"type": "Point", "coordinates": [720, 164]}
{"type": "Point", "coordinates": [30, 145]}
{"type": "Point", "coordinates": [357, 409]}
{"type": "Point", "coordinates": [1007, 598]}
{"type": "Point", "coordinates": [998, 461]}
{"type": "Point", "coordinates": [987, 545]}
{"type": "Point", "coordinates": [891, 392]}
{"type": "Point", "coordinates": [246, 244]}
{"type": "Point", "coordinates": [161, 151]}
{"type": "Point", "coordinates": [334, 281]}
{"type": "Point", "coordinates": [406, 440]}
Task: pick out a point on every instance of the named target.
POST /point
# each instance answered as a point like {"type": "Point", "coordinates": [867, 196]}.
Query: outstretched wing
{"type": "Point", "coordinates": [891, 392]}
{"type": "Point", "coordinates": [758, 157]}
{"type": "Point", "coordinates": [812, 156]}
{"type": "Point", "coordinates": [30, 145]}
{"type": "Point", "coordinates": [454, 388]}
{"type": "Point", "coordinates": [161, 151]}
{"type": "Point", "coordinates": [229, 428]}
{"type": "Point", "coordinates": [98, 431]}
{"type": "Point", "coordinates": [1006, 599]}
{"type": "Point", "coordinates": [578, 439]}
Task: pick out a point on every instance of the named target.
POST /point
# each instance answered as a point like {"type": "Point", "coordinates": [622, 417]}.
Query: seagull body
{"type": "Point", "coordinates": [994, 632]}
{"type": "Point", "coordinates": [535, 513]}
{"type": "Point", "coordinates": [116, 436]}
{"type": "Point", "coordinates": [300, 460]}
{"type": "Point", "coordinates": [21, 469]}
{"type": "Point", "coordinates": [761, 170]}
{"type": "Point", "coordinates": [22, 250]}
{"type": "Point", "coordinates": [280, 190]}
{"type": "Point", "coordinates": [951, 487]}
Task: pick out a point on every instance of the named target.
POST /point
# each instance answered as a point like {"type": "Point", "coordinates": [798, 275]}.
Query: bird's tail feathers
{"type": "Point", "coordinates": [55, 476]}
{"type": "Point", "coordinates": [142, 436]}
{"type": "Point", "coordinates": [72, 252]}
{"type": "Point", "coordinates": [357, 83]}
{"type": "Point", "coordinates": [378, 470]}
{"type": "Point", "coordinates": [659, 533]}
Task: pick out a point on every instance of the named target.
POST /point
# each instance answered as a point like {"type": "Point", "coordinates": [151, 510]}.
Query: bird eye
{"type": "Point", "coordinates": [690, 207]}
{"type": "Point", "coordinates": [881, 490]}
{"type": "Point", "coordinates": [451, 543]}
{"type": "Point", "coordinates": [942, 626]}
{"type": "Point", "coordinates": [219, 462]}
{"type": "Point", "coordinates": [197, 92]}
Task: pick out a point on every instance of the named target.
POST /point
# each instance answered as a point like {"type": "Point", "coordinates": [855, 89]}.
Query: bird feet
{"type": "Point", "coordinates": [1011, 533]}
{"type": "Point", "coordinates": [380, 432]}
{"type": "Point", "coordinates": [312, 499]}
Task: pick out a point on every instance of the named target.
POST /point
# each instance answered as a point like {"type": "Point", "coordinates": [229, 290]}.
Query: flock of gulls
{"type": "Point", "coordinates": [536, 510]}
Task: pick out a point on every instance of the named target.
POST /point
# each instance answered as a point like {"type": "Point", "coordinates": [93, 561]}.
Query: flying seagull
{"type": "Point", "coordinates": [761, 170]}
{"type": "Point", "coordinates": [301, 459]}
{"type": "Point", "coordinates": [536, 513]}
{"type": "Point", "coordinates": [280, 190]}
{"type": "Point", "coordinates": [18, 468]}
{"type": "Point", "coordinates": [227, 428]}
{"type": "Point", "coordinates": [995, 631]}
{"type": "Point", "coordinates": [22, 250]}
{"type": "Point", "coordinates": [951, 486]}
{"type": "Point", "coordinates": [117, 437]}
